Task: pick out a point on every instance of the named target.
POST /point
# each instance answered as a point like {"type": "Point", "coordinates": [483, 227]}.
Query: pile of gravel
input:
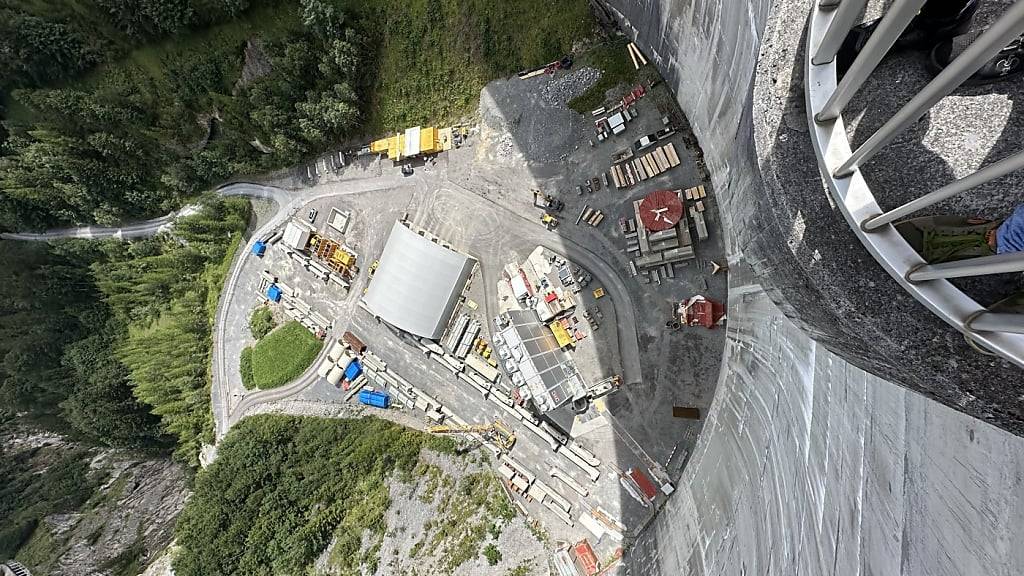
{"type": "Point", "coordinates": [563, 88]}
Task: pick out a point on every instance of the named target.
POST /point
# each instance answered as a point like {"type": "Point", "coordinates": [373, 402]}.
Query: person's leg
{"type": "Point", "coordinates": [938, 20]}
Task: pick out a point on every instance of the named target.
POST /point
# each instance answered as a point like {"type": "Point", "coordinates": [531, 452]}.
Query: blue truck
{"type": "Point", "coordinates": [375, 398]}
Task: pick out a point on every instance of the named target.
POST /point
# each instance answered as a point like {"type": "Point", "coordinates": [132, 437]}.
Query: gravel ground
{"type": "Point", "coordinates": [527, 120]}
{"type": "Point", "coordinates": [409, 514]}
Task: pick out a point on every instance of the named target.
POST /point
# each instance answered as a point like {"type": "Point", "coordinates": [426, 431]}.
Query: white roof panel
{"type": "Point", "coordinates": [412, 141]}
{"type": "Point", "coordinates": [417, 284]}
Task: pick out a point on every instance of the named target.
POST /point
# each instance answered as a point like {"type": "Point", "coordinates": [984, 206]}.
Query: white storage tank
{"type": "Point", "coordinates": [324, 368]}
{"type": "Point", "coordinates": [334, 376]}
{"type": "Point", "coordinates": [336, 351]}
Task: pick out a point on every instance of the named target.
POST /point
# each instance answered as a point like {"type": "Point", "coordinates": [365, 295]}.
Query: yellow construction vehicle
{"type": "Point", "coordinates": [496, 432]}
{"type": "Point", "coordinates": [549, 221]}
{"type": "Point", "coordinates": [373, 267]}
{"type": "Point", "coordinates": [333, 254]}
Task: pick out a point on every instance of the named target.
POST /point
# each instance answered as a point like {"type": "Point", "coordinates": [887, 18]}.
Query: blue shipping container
{"type": "Point", "coordinates": [259, 248]}
{"type": "Point", "coordinates": [373, 398]}
{"type": "Point", "coordinates": [274, 293]}
{"type": "Point", "coordinates": [353, 370]}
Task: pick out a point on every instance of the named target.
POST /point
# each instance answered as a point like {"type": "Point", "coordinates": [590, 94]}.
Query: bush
{"type": "Point", "coordinates": [261, 322]}
{"type": "Point", "coordinates": [245, 367]}
{"type": "Point", "coordinates": [492, 554]}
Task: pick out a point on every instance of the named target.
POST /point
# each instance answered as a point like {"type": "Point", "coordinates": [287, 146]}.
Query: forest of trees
{"type": "Point", "coordinates": [283, 487]}
{"type": "Point", "coordinates": [136, 138]}
{"type": "Point", "coordinates": [121, 109]}
{"type": "Point", "coordinates": [110, 340]}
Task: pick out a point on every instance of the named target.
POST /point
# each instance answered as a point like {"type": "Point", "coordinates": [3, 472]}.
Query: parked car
{"type": "Point", "coordinates": [312, 215]}
{"type": "Point", "coordinates": [645, 141]}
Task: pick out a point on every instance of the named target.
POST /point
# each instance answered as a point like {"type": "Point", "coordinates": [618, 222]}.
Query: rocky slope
{"type": "Point", "coordinates": [127, 522]}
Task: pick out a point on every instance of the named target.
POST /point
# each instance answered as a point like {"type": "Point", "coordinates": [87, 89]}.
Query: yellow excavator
{"type": "Point", "coordinates": [496, 432]}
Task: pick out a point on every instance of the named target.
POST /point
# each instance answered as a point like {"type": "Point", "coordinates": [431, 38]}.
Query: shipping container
{"type": "Point", "coordinates": [354, 342]}
{"type": "Point", "coordinates": [274, 293]}
{"type": "Point", "coordinates": [643, 483]}
{"type": "Point", "coordinates": [374, 398]}
{"type": "Point", "coordinates": [259, 248]}
{"type": "Point", "coordinates": [586, 560]}
{"type": "Point", "coordinates": [353, 371]}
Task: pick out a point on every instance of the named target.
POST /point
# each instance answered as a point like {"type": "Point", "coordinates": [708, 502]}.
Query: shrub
{"type": "Point", "coordinates": [261, 322]}
{"type": "Point", "coordinates": [245, 367]}
{"type": "Point", "coordinates": [492, 554]}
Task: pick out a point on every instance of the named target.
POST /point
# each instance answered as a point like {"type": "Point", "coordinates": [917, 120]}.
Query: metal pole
{"type": "Point", "coordinates": [843, 19]}
{"type": "Point", "coordinates": [1005, 29]}
{"type": "Point", "coordinates": [889, 29]}
{"type": "Point", "coordinates": [981, 266]}
{"type": "Point", "coordinates": [997, 322]}
{"type": "Point", "coordinates": [986, 174]}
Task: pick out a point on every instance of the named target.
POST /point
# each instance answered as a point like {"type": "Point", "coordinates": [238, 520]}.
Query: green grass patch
{"type": "Point", "coordinates": [283, 355]}
{"type": "Point", "coordinates": [214, 276]}
{"type": "Point", "coordinates": [434, 56]}
{"type": "Point", "coordinates": [616, 67]}
{"type": "Point", "coordinates": [492, 554]}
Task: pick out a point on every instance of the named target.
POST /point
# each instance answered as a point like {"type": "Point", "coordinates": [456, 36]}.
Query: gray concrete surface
{"type": "Point", "coordinates": [826, 278]}
{"type": "Point", "coordinates": [810, 466]}
{"type": "Point", "coordinates": [807, 464]}
{"type": "Point", "coordinates": [737, 73]}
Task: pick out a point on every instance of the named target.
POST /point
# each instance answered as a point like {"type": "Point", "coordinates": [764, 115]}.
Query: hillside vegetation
{"type": "Point", "coordinates": [282, 488]}
{"type": "Point", "coordinates": [138, 104]}
{"type": "Point", "coordinates": [110, 340]}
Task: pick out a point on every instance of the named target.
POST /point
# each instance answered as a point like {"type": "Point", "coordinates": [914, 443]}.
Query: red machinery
{"type": "Point", "coordinates": [701, 311]}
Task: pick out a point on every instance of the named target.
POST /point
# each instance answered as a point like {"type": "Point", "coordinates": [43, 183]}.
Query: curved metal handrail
{"type": "Point", "coordinates": [829, 23]}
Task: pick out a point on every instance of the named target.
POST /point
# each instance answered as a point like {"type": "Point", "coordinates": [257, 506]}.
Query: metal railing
{"type": "Point", "coordinates": [999, 333]}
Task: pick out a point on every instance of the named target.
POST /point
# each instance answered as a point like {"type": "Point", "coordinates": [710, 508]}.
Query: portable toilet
{"type": "Point", "coordinates": [259, 248]}
{"type": "Point", "coordinates": [274, 293]}
{"type": "Point", "coordinates": [353, 370]}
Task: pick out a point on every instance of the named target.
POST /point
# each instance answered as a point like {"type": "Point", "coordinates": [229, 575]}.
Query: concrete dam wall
{"type": "Point", "coordinates": [807, 464]}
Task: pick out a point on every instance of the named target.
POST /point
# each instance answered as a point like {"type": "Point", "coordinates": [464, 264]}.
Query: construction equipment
{"type": "Point", "coordinates": [604, 387]}
{"type": "Point", "coordinates": [373, 267]}
{"type": "Point", "coordinates": [333, 254]}
{"type": "Point", "coordinates": [496, 432]}
{"type": "Point", "coordinates": [547, 202]}
{"type": "Point", "coordinates": [549, 221]}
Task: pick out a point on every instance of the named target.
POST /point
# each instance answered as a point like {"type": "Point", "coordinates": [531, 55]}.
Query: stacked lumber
{"type": "Point", "coordinates": [628, 173]}
{"type": "Point", "coordinates": [695, 193]}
